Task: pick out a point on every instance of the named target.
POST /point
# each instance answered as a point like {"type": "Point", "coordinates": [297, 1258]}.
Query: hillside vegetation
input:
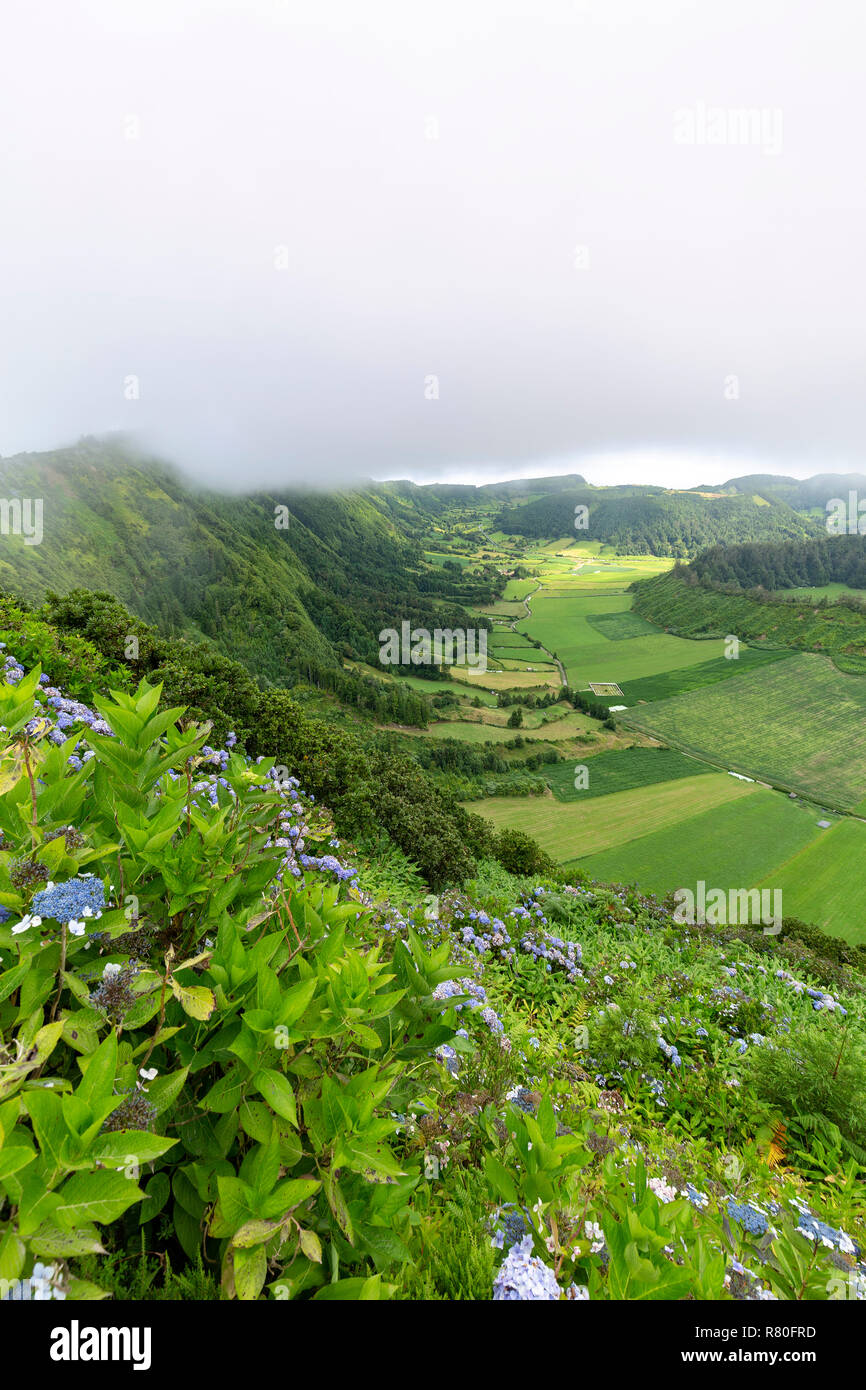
{"type": "Point", "coordinates": [223, 1042]}
{"type": "Point", "coordinates": [290, 601]}
{"type": "Point", "coordinates": [677, 602]}
{"type": "Point", "coordinates": [654, 521]}
{"type": "Point", "coordinates": [837, 560]}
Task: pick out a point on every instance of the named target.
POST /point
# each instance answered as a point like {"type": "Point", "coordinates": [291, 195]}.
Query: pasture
{"type": "Point", "coordinates": [623, 771]}
{"type": "Point", "coordinates": [667, 683]}
{"type": "Point", "coordinates": [800, 724]}
{"type": "Point", "coordinates": [739, 845]}
{"type": "Point", "coordinates": [572, 830]}
{"type": "Point", "coordinates": [563, 626]}
{"type": "Point", "coordinates": [825, 885]}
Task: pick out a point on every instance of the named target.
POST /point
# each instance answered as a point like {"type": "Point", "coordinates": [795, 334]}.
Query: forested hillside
{"type": "Point", "coordinates": [654, 521]}
{"type": "Point", "coordinates": [290, 583]}
{"type": "Point", "coordinates": [790, 565]}
{"type": "Point", "coordinates": [370, 790]}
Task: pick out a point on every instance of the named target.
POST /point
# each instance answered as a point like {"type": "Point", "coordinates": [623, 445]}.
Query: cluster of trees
{"type": "Point", "coordinates": [466, 759]}
{"type": "Point", "coordinates": [594, 708]}
{"type": "Point", "coordinates": [790, 565]}
{"type": "Point", "coordinates": [386, 701]}
{"type": "Point", "coordinates": [530, 699]}
{"type": "Point", "coordinates": [650, 521]}
{"type": "Point", "coordinates": [474, 760]}
{"type": "Point", "coordinates": [368, 789]}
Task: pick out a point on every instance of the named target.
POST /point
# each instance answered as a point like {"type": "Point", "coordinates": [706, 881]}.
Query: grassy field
{"type": "Point", "coordinates": [514, 652]}
{"type": "Point", "coordinates": [655, 816]}
{"type": "Point", "coordinates": [580, 568]}
{"type": "Point", "coordinates": [668, 683]}
{"type": "Point", "coordinates": [738, 845]}
{"type": "Point", "coordinates": [500, 609]}
{"type": "Point", "coordinates": [568, 831]}
{"type": "Point", "coordinates": [828, 591]}
{"type": "Point", "coordinates": [800, 724]}
{"type": "Point", "coordinates": [825, 885]}
{"type": "Point", "coordinates": [551, 717]}
{"type": "Point", "coordinates": [422, 686]}
{"type": "Point", "coordinates": [563, 625]}
{"type": "Point", "coordinates": [617, 772]}
{"type": "Point", "coordinates": [518, 588]}
{"type": "Point", "coordinates": [438, 558]}
{"type": "Point", "coordinates": [510, 680]}
{"type": "Point", "coordinates": [573, 726]}
{"type": "Point", "coordinates": [621, 627]}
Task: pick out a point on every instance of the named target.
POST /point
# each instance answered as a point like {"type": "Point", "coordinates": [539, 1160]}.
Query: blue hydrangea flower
{"type": "Point", "coordinates": [79, 897]}
{"type": "Point", "coordinates": [522, 1276]}
{"type": "Point", "coordinates": [749, 1217]}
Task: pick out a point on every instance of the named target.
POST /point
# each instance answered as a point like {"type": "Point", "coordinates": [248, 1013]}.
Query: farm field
{"type": "Point", "coordinates": [502, 609]}
{"type": "Point", "coordinates": [799, 723]}
{"type": "Point", "coordinates": [563, 625]}
{"type": "Point", "coordinates": [824, 884]}
{"type": "Point", "coordinates": [573, 726]}
{"type": "Point", "coordinates": [667, 683]}
{"type": "Point", "coordinates": [569, 831]}
{"type": "Point", "coordinates": [509, 680]}
{"type": "Point", "coordinates": [580, 568]}
{"type": "Point", "coordinates": [738, 845]}
{"type": "Point", "coordinates": [514, 651]}
{"type": "Point", "coordinates": [664, 816]}
{"type": "Point", "coordinates": [517, 589]}
{"type": "Point", "coordinates": [518, 663]}
{"type": "Point", "coordinates": [623, 771]}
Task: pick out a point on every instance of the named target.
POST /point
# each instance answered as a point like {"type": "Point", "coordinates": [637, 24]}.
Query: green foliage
{"type": "Point", "coordinates": [680, 603]}
{"type": "Point", "coordinates": [369, 789]}
{"type": "Point", "coordinates": [816, 1080]}
{"type": "Point", "coordinates": [655, 521]}
{"type": "Point", "coordinates": [788, 565]}
{"type": "Point", "coordinates": [520, 854]}
{"type": "Point", "coordinates": [455, 1259]}
{"type": "Point", "coordinates": [252, 1087]}
{"type": "Point", "coordinates": [290, 602]}
{"type": "Point", "coordinates": [272, 1048]}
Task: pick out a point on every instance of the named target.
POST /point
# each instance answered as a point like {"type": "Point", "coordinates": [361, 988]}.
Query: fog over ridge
{"type": "Point", "coordinates": [287, 243]}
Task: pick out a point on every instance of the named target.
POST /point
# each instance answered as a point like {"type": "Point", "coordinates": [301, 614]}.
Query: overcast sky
{"type": "Point", "coordinates": [257, 232]}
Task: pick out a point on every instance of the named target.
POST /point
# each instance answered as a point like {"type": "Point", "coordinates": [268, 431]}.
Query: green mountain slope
{"type": "Point", "coordinates": [677, 602]}
{"type": "Point", "coordinates": [653, 521]}
{"type": "Point", "coordinates": [287, 601]}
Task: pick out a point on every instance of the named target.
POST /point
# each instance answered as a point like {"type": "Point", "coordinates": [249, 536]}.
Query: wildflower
{"type": "Point", "coordinates": [38, 1288]}
{"type": "Point", "coordinates": [662, 1190]}
{"type": "Point", "coordinates": [114, 994]}
{"type": "Point", "coordinates": [593, 1232]}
